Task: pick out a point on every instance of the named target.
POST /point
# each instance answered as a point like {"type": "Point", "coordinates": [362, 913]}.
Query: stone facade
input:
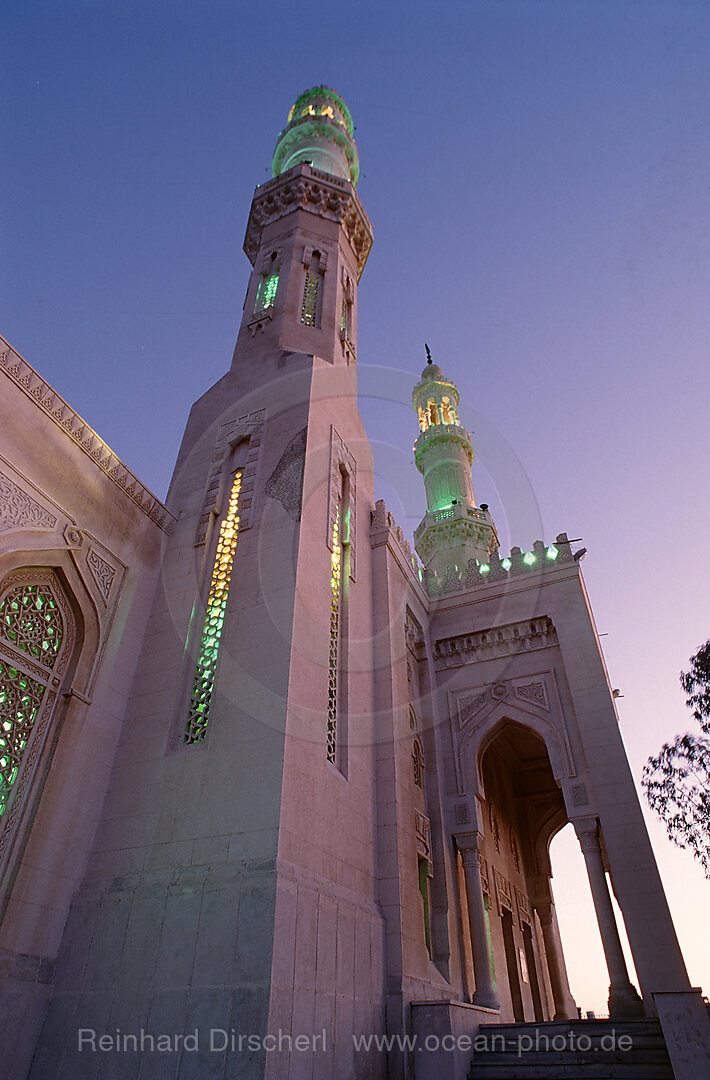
{"type": "Point", "coordinates": [282, 777]}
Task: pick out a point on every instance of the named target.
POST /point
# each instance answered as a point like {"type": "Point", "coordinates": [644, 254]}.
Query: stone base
{"type": "Point", "coordinates": [686, 1029]}
{"type": "Point", "coordinates": [452, 1027]}
{"type": "Point", "coordinates": [625, 1003]}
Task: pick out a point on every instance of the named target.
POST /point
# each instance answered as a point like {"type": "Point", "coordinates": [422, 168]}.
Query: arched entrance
{"type": "Point", "coordinates": [518, 958]}
{"type": "Point", "coordinates": [520, 807]}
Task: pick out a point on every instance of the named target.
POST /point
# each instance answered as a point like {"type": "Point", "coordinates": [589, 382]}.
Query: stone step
{"type": "Point", "coordinates": [589, 1071]}
{"type": "Point", "coordinates": [550, 1051]}
{"type": "Point", "coordinates": [599, 1043]}
{"type": "Point", "coordinates": [552, 1027]}
{"type": "Point", "coordinates": [656, 1056]}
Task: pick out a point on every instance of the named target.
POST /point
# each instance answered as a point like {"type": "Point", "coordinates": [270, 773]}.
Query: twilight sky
{"type": "Point", "coordinates": [537, 176]}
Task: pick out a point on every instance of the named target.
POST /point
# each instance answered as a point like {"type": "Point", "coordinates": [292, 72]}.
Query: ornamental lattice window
{"type": "Point", "coordinates": [418, 763]}
{"type": "Point", "coordinates": [203, 682]}
{"type": "Point", "coordinates": [266, 293]}
{"type": "Point", "coordinates": [36, 637]}
{"type": "Point", "coordinates": [336, 587]}
{"type": "Point", "coordinates": [309, 306]}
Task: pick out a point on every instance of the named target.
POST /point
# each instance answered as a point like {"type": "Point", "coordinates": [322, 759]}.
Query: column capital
{"type": "Point", "coordinates": [544, 911]}
{"type": "Point", "coordinates": [587, 830]}
{"type": "Point", "coordinates": [469, 844]}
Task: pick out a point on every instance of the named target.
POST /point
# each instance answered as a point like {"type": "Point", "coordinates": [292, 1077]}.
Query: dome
{"type": "Point", "coordinates": [433, 373]}
{"type": "Point", "coordinates": [319, 133]}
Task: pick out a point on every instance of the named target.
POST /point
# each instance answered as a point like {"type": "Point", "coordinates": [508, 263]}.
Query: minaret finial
{"type": "Point", "coordinates": [428, 353]}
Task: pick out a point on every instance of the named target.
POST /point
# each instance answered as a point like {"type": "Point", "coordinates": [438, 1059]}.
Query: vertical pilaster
{"type": "Point", "coordinates": [469, 844]}
{"type": "Point", "coordinates": [623, 997]}
{"type": "Point", "coordinates": [560, 993]}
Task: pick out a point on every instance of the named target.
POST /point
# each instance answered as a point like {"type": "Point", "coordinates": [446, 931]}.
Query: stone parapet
{"type": "Point", "coordinates": [383, 527]}
{"type": "Point", "coordinates": [539, 560]}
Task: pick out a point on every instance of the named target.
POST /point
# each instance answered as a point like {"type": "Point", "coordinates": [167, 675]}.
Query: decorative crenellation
{"type": "Point", "coordinates": [18, 509]}
{"type": "Point", "coordinates": [540, 559]}
{"type": "Point", "coordinates": [317, 192]}
{"type": "Point", "coordinates": [250, 426]}
{"type": "Point", "coordinates": [380, 519]}
{"type": "Point", "coordinates": [536, 633]}
{"type": "Point", "coordinates": [56, 408]}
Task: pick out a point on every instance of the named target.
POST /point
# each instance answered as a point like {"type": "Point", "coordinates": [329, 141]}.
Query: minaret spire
{"type": "Point", "coordinates": [453, 529]}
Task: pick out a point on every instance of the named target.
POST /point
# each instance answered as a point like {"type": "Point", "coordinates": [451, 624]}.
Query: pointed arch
{"type": "Point", "coordinates": [39, 590]}
{"type": "Point", "coordinates": [477, 737]}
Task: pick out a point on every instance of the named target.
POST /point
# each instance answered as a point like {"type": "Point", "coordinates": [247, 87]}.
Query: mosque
{"type": "Point", "coordinates": [266, 773]}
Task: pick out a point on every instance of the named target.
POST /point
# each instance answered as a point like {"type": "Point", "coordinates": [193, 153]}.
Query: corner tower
{"type": "Point", "coordinates": [454, 530]}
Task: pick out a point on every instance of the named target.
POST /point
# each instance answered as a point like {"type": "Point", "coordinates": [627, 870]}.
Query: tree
{"type": "Point", "coordinates": [677, 781]}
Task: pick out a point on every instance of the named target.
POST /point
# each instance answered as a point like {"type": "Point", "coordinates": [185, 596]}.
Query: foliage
{"type": "Point", "coordinates": [677, 780]}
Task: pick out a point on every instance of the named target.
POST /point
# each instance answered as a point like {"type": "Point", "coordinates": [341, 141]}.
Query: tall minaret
{"type": "Point", "coordinates": [252, 711]}
{"type": "Point", "coordinates": [307, 238]}
{"type": "Point", "coordinates": [453, 529]}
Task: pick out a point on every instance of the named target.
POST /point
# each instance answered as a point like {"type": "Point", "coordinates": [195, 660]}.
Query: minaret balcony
{"type": "Point", "coordinates": [442, 433]}
{"type": "Point", "coordinates": [457, 526]}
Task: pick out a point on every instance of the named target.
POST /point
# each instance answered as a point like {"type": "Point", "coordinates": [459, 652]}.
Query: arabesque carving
{"type": "Point", "coordinates": [18, 510]}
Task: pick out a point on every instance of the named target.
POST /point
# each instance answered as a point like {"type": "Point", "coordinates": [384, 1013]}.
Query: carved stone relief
{"type": "Point", "coordinates": [102, 571]}
{"type": "Point", "coordinates": [537, 633]}
{"type": "Point", "coordinates": [19, 510]}
{"type": "Point", "coordinates": [504, 892]}
{"type": "Point", "coordinates": [534, 692]}
{"type": "Point", "coordinates": [286, 481]}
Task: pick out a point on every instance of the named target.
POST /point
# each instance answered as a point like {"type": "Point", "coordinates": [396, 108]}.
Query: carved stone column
{"type": "Point", "coordinates": [485, 994]}
{"type": "Point", "coordinates": [623, 997]}
{"type": "Point", "coordinates": [558, 982]}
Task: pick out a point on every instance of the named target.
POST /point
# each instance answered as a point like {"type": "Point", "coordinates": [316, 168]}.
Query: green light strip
{"type": "Point", "coordinates": [336, 562]}
{"type": "Point", "coordinates": [203, 685]}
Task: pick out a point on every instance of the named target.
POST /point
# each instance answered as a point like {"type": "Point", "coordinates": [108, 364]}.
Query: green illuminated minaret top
{"type": "Point", "coordinates": [320, 133]}
{"type": "Point", "coordinates": [454, 530]}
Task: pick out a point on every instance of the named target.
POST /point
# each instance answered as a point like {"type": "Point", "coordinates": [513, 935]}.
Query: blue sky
{"type": "Point", "coordinates": [537, 177]}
